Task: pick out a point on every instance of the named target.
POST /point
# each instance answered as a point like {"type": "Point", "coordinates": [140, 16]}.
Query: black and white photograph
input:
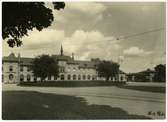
{"type": "Point", "coordinates": [83, 60]}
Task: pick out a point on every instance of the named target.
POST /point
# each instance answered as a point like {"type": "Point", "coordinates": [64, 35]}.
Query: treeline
{"type": "Point", "coordinates": [156, 75]}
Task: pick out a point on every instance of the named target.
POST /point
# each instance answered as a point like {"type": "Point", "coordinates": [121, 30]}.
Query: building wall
{"type": "Point", "coordinates": [10, 76]}
{"type": "Point", "coordinates": [67, 70]}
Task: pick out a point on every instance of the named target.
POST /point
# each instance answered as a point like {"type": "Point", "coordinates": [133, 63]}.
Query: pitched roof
{"type": "Point", "coordinates": [62, 57]}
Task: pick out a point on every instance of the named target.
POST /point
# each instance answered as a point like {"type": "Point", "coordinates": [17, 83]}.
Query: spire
{"type": "Point", "coordinates": [61, 50]}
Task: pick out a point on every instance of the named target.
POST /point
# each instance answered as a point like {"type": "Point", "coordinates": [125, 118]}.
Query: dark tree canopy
{"type": "Point", "coordinates": [107, 69]}
{"type": "Point", "coordinates": [19, 17]}
{"type": "Point", "coordinates": [160, 73]}
{"type": "Point", "coordinates": [43, 66]}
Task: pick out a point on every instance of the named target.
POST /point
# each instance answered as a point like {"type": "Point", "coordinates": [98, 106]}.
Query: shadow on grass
{"type": "Point", "coordinates": [26, 105]}
{"type": "Point", "coordinates": [71, 84]}
{"type": "Point", "coordinates": [155, 89]}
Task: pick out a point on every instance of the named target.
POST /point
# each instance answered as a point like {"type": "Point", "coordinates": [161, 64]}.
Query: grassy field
{"type": "Point", "coordinates": [30, 105]}
{"type": "Point", "coordinates": [155, 89]}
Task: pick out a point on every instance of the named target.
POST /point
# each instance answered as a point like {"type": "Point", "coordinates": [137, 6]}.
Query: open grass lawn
{"type": "Point", "coordinates": [156, 89]}
{"type": "Point", "coordinates": [36, 105]}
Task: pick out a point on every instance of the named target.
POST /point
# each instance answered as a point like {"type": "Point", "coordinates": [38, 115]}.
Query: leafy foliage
{"type": "Point", "coordinates": [44, 66]}
{"type": "Point", "coordinates": [107, 69]}
{"type": "Point", "coordinates": [19, 17]}
{"type": "Point", "coordinates": [160, 72]}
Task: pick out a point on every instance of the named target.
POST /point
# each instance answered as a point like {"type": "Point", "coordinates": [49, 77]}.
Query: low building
{"type": "Point", "coordinates": [144, 76]}
{"type": "Point", "coordinates": [15, 69]}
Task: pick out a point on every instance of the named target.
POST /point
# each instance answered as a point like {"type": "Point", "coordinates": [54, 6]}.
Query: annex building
{"type": "Point", "coordinates": [17, 69]}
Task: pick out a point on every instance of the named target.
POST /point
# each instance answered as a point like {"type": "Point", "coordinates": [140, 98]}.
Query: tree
{"type": "Point", "coordinates": [107, 69]}
{"type": "Point", "coordinates": [19, 17]}
{"type": "Point", "coordinates": [160, 73]}
{"type": "Point", "coordinates": [43, 66]}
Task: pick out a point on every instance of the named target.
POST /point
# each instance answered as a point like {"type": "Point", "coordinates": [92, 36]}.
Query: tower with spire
{"type": "Point", "coordinates": [61, 51]}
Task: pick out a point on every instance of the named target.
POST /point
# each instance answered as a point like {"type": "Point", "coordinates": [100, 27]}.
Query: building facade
{"type": "Point", "coordinates": [17, 69]}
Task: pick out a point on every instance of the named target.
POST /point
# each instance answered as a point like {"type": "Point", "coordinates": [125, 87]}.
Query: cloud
{"type": "Point", "coordinates": [84, 44]}
{"type": "Point", "coordinates": [43, 39]}
{"type": "Point", "coordinates": [87, 8]}
{"type": "Point", "coordinates": [91, 44]}
{"type": "Point", "coordinates": [80, 13]}
{"type": "Point", "coordinates": [135, 51]}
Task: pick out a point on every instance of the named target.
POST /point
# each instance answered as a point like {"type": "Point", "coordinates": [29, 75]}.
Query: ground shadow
{"type": "Point", "coordinates": [155, 89]}
{"type": "Point", "coordinates": [71, 84]}
{"type": "Point", "coordinates": [21, 105]}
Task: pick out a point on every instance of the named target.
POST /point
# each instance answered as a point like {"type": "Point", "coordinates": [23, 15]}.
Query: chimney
{"type": "Point", "coordinates": [73, 56]}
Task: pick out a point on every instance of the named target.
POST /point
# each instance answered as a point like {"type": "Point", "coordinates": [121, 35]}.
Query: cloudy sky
{"type": "Point", "coordinates": [97, 30]}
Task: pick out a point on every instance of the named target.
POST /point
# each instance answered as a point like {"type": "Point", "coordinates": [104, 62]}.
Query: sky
{"type": "Point", "coordinates": [97, 30]}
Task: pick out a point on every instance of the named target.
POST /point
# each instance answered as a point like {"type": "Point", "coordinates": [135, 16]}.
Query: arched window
{"type": "Point", "coordinates": [35, 78]}
{"type": "Point", "coordinates": [83, 77]}
{"type": "Point", "coordinates": [74, 77]}
{"type": "Point", "coordinates": [28, 77]}
{"type": "Point", "coordinates": [79, 77]}
{"type": "Point", "coordinates": [62, 77]}
{"type": "Point", "coordinates": [10, 68]}
{"type": "Point", "coordinates": [69, 77]}
{"type": "Point", "coordinates": [88, 77]}
{"type": "Point", "coordinates": [11, 77]}
{"type": "Point", "coordinates": [21, 77]}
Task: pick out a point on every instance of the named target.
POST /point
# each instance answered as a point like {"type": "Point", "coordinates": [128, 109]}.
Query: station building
{"type": "Point", "coordinates": [17, 69]}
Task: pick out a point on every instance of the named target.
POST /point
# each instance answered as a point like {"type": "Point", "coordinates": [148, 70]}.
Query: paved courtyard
{"type": "Point", "coordinates": [132, 101]}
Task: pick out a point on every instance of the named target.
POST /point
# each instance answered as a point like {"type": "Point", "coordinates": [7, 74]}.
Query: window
{"type": "Point", "coordinates": [74, 77]}
{"type": "Point", "coordinates": [49, 77]}
{"type": "Point", "coordinates": [11, 77]}
{"type": "Point", "coordinates": [21, 68]}
{"type": "Point", "coordinates": [121, 78]}
{"type": "Point", "coordinates": [69, 77]}
{"type": "Point", "coordinates": [28, 69]}
{"type": "Point", "coordinates": [10, 68]}
{"type": "Point", "coordinates": [21, 77]}
{"type": "Point", "coordinates": [93, 77]}
{"type": "Point", "coordinates": [35, 78]}
{"type": "Point", "coordinates": [55, 77]}
{"type": "Point", "coordinates": [62, 69]}
{"type": "Point", "coordinates": [2, 78]}
{"type": "Point", "coordinates": [62, 77]}
{"type": "Point", "coordinates": [28, 77]}
{"type": "Point", "coordinates": [88, 77]}
{"type": "Point", "coordinates": [83, 77]}
{"type": "Point", "coordinates": [79, 77]}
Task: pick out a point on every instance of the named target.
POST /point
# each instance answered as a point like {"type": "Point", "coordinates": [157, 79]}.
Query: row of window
{"type": "Point", "coordinates": [61, 69]}
{"type": "Point", "coordinates": [69, 77]}
{"type": "Point", "coordinates": [21, 68]}
{"type": "Point", "coordinates": [77, 77]}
